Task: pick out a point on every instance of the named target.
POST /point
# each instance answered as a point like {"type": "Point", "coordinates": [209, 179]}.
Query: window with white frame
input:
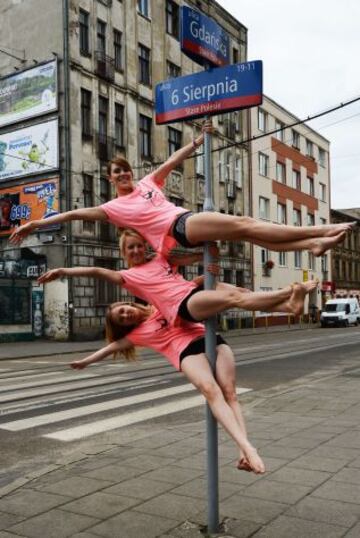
{"type": "Point", "coordinates": [297, 259]}
{"type": "Point", "coordinates": [322, 192]}
{"type": "Point", "coordinates": [143, 8]}
{"type": "Point", "coordinates": [281, 172]}
{"type": "Point", "coordinates": [239, 172]}
{"type": "Point", "coordinates": [311, 261]}
{"type": "Point", "coordinates": [228, 166]}
{"type": "Point", "coordinates": [297, 217]}
{"type": "Point", "coordinates": [264, 208]}
{"type": "Point", "coordinates": [265, 255]}
{"type": "Point", "coordinates": [263, 164]}
{"type": "Point", "coordinates": [310, 219]}
{"type": "Point", "coordinates": [310, 185]}
{"type": "Point", "coordinates": [282, 259]}
{"type": "Point", "coordinates": [322, 157]}
{"type": "Point", "coordinates": [262, 120]}
{"type": "Point", "coordinates": [280, 134]}
{"type": "Point", "coordinates": [281, 213]}
{"type": "Point", "coordinates": [309, 148]}
{"type": "Point", "coordinates": [296, 180]}
{"type": "Point", "coordinates": [295, 139]}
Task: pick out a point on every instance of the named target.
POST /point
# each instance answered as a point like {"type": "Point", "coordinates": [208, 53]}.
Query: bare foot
{"type": "Point", "coordinates": [322, 244]}
{"type": "Point", "coordinates": [300, 289]}
{"type": "Point", "coordinates": [244, 465]}
{"type": "Point", "coordinates": [256, 464]}
{"type": "Point", "coordinates": [335, 229]}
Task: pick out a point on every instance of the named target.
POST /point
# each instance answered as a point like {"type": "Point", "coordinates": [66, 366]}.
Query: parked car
{"type": "Point", "coordinates": [340, 312]}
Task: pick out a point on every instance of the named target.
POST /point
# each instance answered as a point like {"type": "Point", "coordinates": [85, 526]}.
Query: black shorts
{"type": "Point", "coordinates": [198, 346]}
{"type": "Point", "coordinates": [179, 232]}
{"type": "Point", "coordinates": [183, 311]}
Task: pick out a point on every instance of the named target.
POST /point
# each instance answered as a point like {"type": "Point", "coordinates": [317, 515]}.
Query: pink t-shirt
{"type": "Point", "coordinates": [147, 211]}
{"type": "Point", "coordinates": [169, 341]}
{"type": "Point", "coordinates": [158, 283]}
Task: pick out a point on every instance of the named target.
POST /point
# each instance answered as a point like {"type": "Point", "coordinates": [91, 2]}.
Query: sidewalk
{"type": "Point", "coordinates": [149, 480]}
{"type": "Point", "coordinates": [43, 347]}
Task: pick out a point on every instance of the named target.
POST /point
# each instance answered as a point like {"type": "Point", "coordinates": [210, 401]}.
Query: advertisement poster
{"type": "Point", "coordinates": [31, 150]}
{"type": "Point", "coordinates": [33, 201]}
{"type": "Point", "coordinates": [28, 94]}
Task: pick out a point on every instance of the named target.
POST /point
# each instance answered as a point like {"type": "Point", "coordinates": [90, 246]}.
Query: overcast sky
{"type": "Point", "coordinates": [310, 50]}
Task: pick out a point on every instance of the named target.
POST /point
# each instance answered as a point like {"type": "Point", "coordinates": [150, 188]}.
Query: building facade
{"type": "Point", "coordinates": [109, 54]}
{"type": "Point", "coordinates": [290, 184]}
{"type": "Point", "coordinates": [346, 257]}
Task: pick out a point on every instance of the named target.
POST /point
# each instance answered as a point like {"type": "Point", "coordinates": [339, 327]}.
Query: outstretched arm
{"type": "Point", "coordinates": [86, 213]}
{"type": "Point", "coordinates": [180, 155]}
{"type": "Point", "coordinates": [95, 272]}
{"type": "Point", "coordinates": [114, 347]}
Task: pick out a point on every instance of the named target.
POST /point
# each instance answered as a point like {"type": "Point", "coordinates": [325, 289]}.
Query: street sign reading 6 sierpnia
{"type": "Point", "coordinates": [211, 92]}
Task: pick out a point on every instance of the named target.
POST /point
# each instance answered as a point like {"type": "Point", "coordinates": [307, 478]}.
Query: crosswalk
{"type": "Point", "coordinates": [67, 406]}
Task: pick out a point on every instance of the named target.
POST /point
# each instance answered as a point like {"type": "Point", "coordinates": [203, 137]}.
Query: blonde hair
{"type": "Point", "coordinates": [128, 232]}
{"type": "Point", "coordinates": [115, 331]}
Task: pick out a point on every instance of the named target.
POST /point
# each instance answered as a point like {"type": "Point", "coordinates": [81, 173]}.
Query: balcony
{"type": "Point", "coordinates": [105, 66]}
{"type": "Point", "coordinates": [106, 145]}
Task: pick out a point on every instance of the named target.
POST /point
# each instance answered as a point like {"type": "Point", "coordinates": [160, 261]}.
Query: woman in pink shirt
{"type": "Point", "coordinates": [129, 325]}
{"type": "Point", "coordinates": [158, 283]}
{"type": "Point", "coordinates": [144, 207]}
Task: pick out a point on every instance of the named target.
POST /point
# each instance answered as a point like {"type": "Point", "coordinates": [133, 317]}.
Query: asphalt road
{"type": "Point", "coordinates": [48, 411]}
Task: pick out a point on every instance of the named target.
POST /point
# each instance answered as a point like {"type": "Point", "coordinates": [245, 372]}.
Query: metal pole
{"type": "Point", "coordinates": [210, 348]}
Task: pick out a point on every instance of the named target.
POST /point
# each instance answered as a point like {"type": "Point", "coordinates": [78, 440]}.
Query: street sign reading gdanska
{"type": "Point", "coordinates": [202, 39]}
{"type": "Point", "coordinates": [210, 92]}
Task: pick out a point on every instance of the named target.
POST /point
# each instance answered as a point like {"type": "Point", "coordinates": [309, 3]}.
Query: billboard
{"type": "Point", "coordinates": [33, 201]}
{"type": "Point", "coordinates": [211, 92]}
{"type": "Point", "coordinates": [28, 94]}
{"type": "Point", "coordinates": [31, 150]}
{"type": "Point", "coordinates": [202, 39]}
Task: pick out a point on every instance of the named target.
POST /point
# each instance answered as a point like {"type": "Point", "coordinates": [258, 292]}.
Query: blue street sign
{"type": "Point", "coordinates": [210, 92]}
{"type": "Point", "coordinates": [202, 39]}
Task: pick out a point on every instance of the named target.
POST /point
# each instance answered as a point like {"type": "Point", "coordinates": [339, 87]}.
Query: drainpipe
{"type": "Point", "coordinates": [66, 171]}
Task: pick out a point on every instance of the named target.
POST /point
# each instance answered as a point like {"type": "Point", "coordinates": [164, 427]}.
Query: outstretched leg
{"type": "Point", "coordinates": [316, 245]}
{"type": "Point", "coordinates": [212, 226]}
{"type": "Point", "coordinates": [198, 371]}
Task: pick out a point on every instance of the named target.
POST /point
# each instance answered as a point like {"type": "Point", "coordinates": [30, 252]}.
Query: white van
{"type": "Point", "coordinates": [343, 312]}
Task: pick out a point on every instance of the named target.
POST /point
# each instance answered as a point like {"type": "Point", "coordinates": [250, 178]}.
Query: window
{"type": "Point", "coordinates": [264, 208]}
{"type": "Point", "coordinates": [143, 7]}
{"type": "Point", "coordinates": [280, 134]}
{"type": "Point", "coordinates": [324, 264]}
{"type": "Point", "coordinates": [118, 50]}
{"type": "Point", "coordinates": [235, 56]}
{"type": "Point", "coordinates": [310, 219]}
{"type": "Point", "coordinates": [107, 231]}
{"type": "Point", "coordinates": [199, 162]}
{"type": "Point", "coordinates": [281, 172]}
{"type": "Point", "coordinates": [281, 213]}
{"type": "Point", "coordinates": [172, 18]}
{"type": "Point", "coordinates": [228, 276]}
{"type": "Point", "coordinates": [297, 217]}
{"type": "Point", "coordinates": [200, 208]}
{"type": "Point", "coordinates": [144, 65]}
{"type": "Point", "coordinates": [103, 118]}
{"type": "Point", "coordinates": [263, 164]}
{"type": "Point", "coordinates": [239, 172]}
{"type": "Point", "coordinates": [322, 157]}
{"type": "Point", "coordinates": [119, 126]}
{"type": "Point", "coordinates": [84, 32]}
{"type": "Point", "coordinates": [88, 191]}
{"type": "Point", "coordinates": [101, 36]}
{"type": "Point", "coordinates": [86, 129]}
{"type": "Point", "coordinates": [145, 136]}
{"type": "Point", "coordinates": [174, 140]}
{"type": "Point", "coordinates": [310, 186]}
{"type": "Point", "coordinates": [105, 292]}
{"type": "Point", "coordinates": [228, 166]}
{"type": "Point", "coordinates": [239, 279]}
{"type": "Point", "coordinates": [176, 201]}
{"type": "Point", "coordinates": [295, 139]}
{"type": "Point", "coordinates": [296, 180]}
{"type": "Point", "coordinates": [173, 71]}
{"type": "Point", "coordinates": [297, 259]}
{"type": "Point", "coordinates": [322, 221]}
{"type": "Point", "coordinates": [282, 259]}
{"type": "Point", "coordinates": [309, 148]}
{"type": "Point", "coordinates": [311, 261]}
{"type": "Point", "coordinates": [262, 120]}
{"type": "Point", "coordinates": [322, 192]}
{"type": "Point", "coordinates": [265, 255]}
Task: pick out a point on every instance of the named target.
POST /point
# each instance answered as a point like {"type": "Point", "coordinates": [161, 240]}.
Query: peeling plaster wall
{"type": "Point", "coordinates": [56, 319]}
